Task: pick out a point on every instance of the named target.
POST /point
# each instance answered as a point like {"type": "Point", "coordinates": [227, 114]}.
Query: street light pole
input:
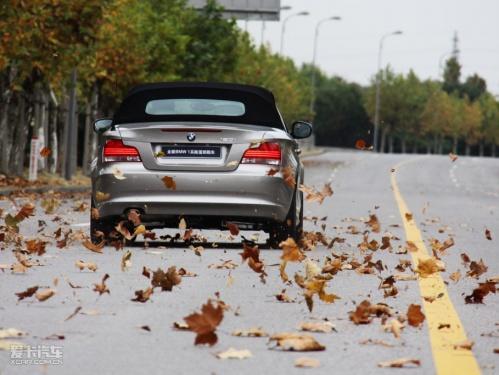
{"type": "Point", "coordinates": [283, 30]}
{"type": "Point", "coordinates": [262, 36]}
{"type": "Point", "coordinates": [314, 59]}
{"type": "Point", "coordinates": [378, 89]}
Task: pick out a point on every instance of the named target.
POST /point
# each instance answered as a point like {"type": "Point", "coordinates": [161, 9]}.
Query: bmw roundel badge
{"type": "Point", "coordinates": [191, 137]}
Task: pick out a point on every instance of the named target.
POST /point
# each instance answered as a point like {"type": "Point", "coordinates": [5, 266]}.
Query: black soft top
{"type": "Point", "coordinates": [259, 102]}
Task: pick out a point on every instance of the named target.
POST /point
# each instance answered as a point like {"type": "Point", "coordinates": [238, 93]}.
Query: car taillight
{"type": "Point", "coordinates": [266, 153]}
{"type": "Point", "coordinates": [115, 150]}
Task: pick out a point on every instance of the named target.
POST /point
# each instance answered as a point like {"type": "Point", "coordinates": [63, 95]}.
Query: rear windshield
{"type": "Point", "coordinates": [211, 107]}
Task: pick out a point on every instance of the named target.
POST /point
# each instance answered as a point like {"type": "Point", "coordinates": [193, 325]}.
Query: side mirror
{"type": "Point", "coordinates": [103, 124]}
{"type": "Point", "coordinates": [301, 129]}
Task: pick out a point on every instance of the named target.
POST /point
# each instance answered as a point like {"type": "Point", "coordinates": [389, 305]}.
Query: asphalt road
{"type": "Point", "coordinates": [461, 199]}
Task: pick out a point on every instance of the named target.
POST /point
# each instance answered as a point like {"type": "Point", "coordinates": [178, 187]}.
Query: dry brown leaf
{"type": "Point", "coordinates": [272, 171]}
{"type": "Point", "coordinates": [394, 326]}
{"type": "Point", "coordinates": [27, 293]}
{"type": "Point", "coordinates": [96, 248]}
{"type": "Point", "coordinates": [411, 246]}
{"type": "Point", "coordinates": [143, 295]}
{"type": "Point", "coordinates": [232, 353]}
{"type": "Point", "coordinates": [290, 251]}
{"type": "Point", "coordinates": [134, 217]}
{"type": "Point", "coordinates": [373, 223]}
{"type": "Point", "coordinates": [401, 362]}
{"type": "Point", "coordinates": [427, 267]}
{"type": "Point", "coordinates": [166, 280]}
{"type": "Point", "coordinates": [88, 265]}
{"type": "Point", "coordinates": [455, 276]}
{"type": "Point", "coordinates": [477, 269]}
{"type": "Point", "coordinates": [295, 342]}
{"type": "Point", "coordinates": [306, 362]}
{"type": "Point", "coordinates": [45, 294]}
{"type": "Point", "coordinates": [102, 287]}
{"type": "Point", "coordinates": [408, 216]}
{"type": "Point", "coordinates": [233, 228]}
{"type": "Point", "coordinates": [169, 182]}
{"type": "Point", "coordinates": [11, 332]}
{"type": "Point", "coordinates": [126, 261]}
{"type": "Point", "coordinates": [481, 292]}
{"type": "Point", "coordinates": [94, 213]}
{"type": "Point", "coordinates": [250, 332]}
{"type": "Point", "coordinates": [322, 327]}
{"type": "Point", "coordinates": [283, 297]}
{"type": "Point", "coordinates": [118, 173]}
{"type": "Point", "coordinates": [488, 235]}
{"type": "Point", "coordinates": [453, 157]}
{"type": "Point", "coordinates": [45, 152]}
{"type": "Point", "coordinates": [465, 345]}
{"type": "Point", "coordinates": [205, 323]}
{"type": "Point", "coordinates": [101, 196]}
{"type": "Point", "coordinates": [365, 311]}
{"type": "Point", "coordinates": [415, 316]}
{"type": "Point", "coordinates": [289, 176]}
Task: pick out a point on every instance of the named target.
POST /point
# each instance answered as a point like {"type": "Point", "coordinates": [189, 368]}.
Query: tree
{"type": "Point", "coordinates": [437, 117]}
{"type": "Point", "coordinates": [474, 87]}
{"type": "Point", "coordinates": [452, 76]}
{"type": "Point", "coordinates": [490, 123]}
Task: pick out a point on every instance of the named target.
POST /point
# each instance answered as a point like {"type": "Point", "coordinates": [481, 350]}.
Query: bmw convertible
{"type": "Point", "coordinates": [213, 154]}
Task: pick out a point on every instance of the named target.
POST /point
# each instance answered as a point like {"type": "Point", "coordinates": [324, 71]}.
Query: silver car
{"type": "Point", "coordinates": [214, 154]}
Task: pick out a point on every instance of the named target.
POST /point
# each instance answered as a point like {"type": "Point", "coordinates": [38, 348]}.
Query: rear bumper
{"type": "Point", "coordinates": [246, 193]}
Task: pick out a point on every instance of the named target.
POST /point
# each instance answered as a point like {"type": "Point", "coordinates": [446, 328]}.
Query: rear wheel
{"type": "Point", "coordinates": [292, 227]}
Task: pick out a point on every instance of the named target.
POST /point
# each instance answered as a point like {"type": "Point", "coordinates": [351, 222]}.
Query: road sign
{"type": "Point", "coordinates": [257, 10]}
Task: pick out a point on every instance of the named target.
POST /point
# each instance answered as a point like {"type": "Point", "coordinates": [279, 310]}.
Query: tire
{"type": "Point", "coordinates": [293, 225]}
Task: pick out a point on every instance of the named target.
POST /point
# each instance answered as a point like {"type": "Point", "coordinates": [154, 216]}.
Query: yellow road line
{"type": "Point", "coordinates": [448, 361]}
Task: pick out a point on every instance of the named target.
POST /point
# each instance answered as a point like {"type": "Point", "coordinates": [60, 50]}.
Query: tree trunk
{"type": "Point", "coordinates": [18, 154]}
{"type": "Point", "coordinates": [468, 149]}
{"type": "Point", "coordinates": [454, 144]}
{"type": "Point", "coordinates": [87, 141]}
{"type": "Point", "coordinates": [54, 144]}
{"type": "Point", "coordinates": [403, 145]}
{"type": "Point", "coordinates": [481, 149]}
{"type": "Point", "coordinates": [383, 140]}
{"type": "Point", "coordinates": [493, 151]}
{"type": "Point", "coordinates": [4, 136]}
{"type": "Point", "coordinates": [435, 144]}
{"type": "Point", "coordinates": [390, 144]}
{"type": "Point", "coordinates": [428, 147]}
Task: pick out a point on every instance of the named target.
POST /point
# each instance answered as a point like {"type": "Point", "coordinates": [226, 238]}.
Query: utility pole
{"type": "Point", "coordinates": [378, 89]}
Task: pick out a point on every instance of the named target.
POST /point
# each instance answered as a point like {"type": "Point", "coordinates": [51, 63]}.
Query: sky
{"type": "Point", "coordinates": [349, 47]}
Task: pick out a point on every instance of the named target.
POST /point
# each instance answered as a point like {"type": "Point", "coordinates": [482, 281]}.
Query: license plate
{"type": "Point", "coordinates": [191, 151]}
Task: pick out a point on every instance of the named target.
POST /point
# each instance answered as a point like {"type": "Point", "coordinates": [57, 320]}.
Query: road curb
{"type": "Point", "coordinates": [45, 189]}
{"type": "Point", "coordinates": [313, 152]}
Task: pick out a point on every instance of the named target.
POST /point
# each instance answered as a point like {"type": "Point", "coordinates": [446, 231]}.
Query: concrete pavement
{"type": "Point", "coordinates": [458, 199]}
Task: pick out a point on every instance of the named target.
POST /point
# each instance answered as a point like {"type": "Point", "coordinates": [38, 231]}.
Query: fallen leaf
{"type": "Point", "coordinates": [453, 157]}
{"type": "Point", "coordinates": [322, 327]}
{"type": "Point", "coordinates": [169, 182]}
{"type": "Point", "coordinates": [88, 265]}
{"type": "Point", "coordinates": [143, 295]}
{"type": "Point", "coordinates": [166, 280]}
{"type": "Point", "coordinates": [295, 342]}
{"type": "Point", "coordinates": [96, 248]}
{"type": "Point", "coordinates": [45, 152]}
{"type": "Point", "coordinates": [290, 251]}
{"type": "Point", "coordinates": [27, 293]}
{"type": "Point", "coordinates": [373, 223]}
{"type": "Point", "coordinates": [232, 353]}
{"type": "Point", "coordinates": [394, 326]}
{"type": "Point", "coordinates": [101, 196]}
{"type": "Point", "coordinates": [415, 316]}
{"type": "Point", "coordinates": [477, 269]}
{"type": "Point", "coordinates": [365, 311]}
{"type": "Point", "coordinates": [481, 292]}
{"type": "Point", "coordinates": [401, 362]}
{"type": "Point", "coordinates": [283, 297]}
{"type": "Point", "coordinates": [118, 173]}
{"type": "Point", "coordinates": [427, 267]}
{"type": "Point", "coordinates": [272, 171]}
{"type": "Point", "coordinates": [488, 235]}
{"type": "Point", "coordinates": [102, 287]}
{"type": "Point", "coordinates": [233, 228]}
{"type": "Point", "coordinates": [134, 216]}
{"type": "Point", "coordinates": [408, 216]}
{"type": "Point", "coordinates": [250, 332]}
{"type": "Point", "coordinates": [204, 324]}
{"type": "Point", "coordinates": [45, 294]}
{"type": "Point", "coordinates": [74, 313]}
{"type": "Point", "coordinates": [126, 260]}
{"type": "Point", "coordinates": [289, 177]}
{"type": "Point", "coordinates": [465, 345]}
{"type": "Point", "coordinates": [455, 276]}
{"type": "Point", "coordinates": [305, 362]}
{"type": "Point", "coordinates": [181, 326]}
{"type": "Point", "coordinates": [11, 332]}
{"type": "Point", "coordinates": [411, 246]}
